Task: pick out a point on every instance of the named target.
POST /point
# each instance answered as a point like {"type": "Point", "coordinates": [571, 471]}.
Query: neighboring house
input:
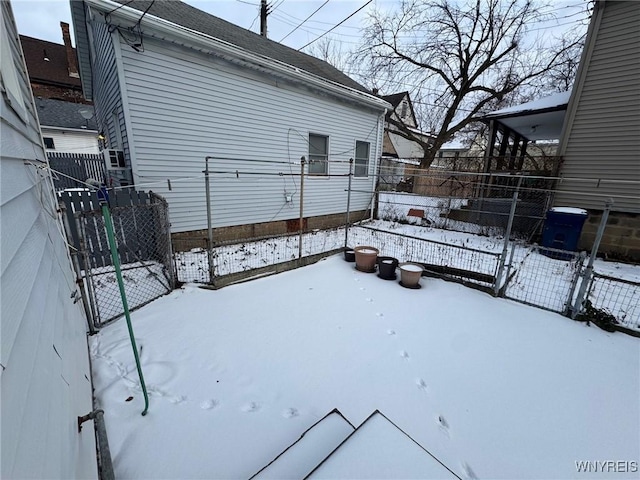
{"type": "Point", "coordinates": [53, 68]}
{"type": "Point", "coordinates": [400, 155]}
{"type": "Point", "coordinates": [65, 129]}
{"type": "Point", "coordinates": [45, 376]}
{"type": "Point", "coordinates": [395, 145]}
{"type": "Point", "coordinates": [601, 133]}
{"type": "Point", "coordinates": [172, 85]}
{"type": "Point", "coordinates": [66, 118]}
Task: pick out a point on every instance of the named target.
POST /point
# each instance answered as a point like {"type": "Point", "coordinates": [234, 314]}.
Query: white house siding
{"type": "Point", "coordinates": [185, 106]}
{"type": "Point", "coordinates": [44, 376]}
{"type": "Point", "coordinates": [602, 140]}
{"type": "Point", "coordinates": [72, 141]}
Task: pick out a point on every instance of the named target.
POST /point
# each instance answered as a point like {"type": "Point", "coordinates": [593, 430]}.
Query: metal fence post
{"type": "Point", "coordinates": [76, 268]}
{"type": "Point", "coordinates": [346, 228]}
{"type": "Point", "coordinates": [301, 225]}
{"type": "Point", "coordinates": [574, 283]}
{"type": "Point", "coordinates": [209, 224]}
{"type": "Point", "coordinates": [588, 272]}
{"type": "Point", "coordinates": [507, 235]}
{"type": "Point", "coordinates": [93, 299]}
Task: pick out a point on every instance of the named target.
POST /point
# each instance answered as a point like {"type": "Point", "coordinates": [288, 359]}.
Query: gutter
{"type": "Point", "coordinates": [71, 129]}
{"type": "Point", "coordinates": [215, 45]}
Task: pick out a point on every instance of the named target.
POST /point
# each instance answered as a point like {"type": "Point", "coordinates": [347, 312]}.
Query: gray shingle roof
{"type": "Point", "coordinates": [187, 16]}
{"type": "Point", "coordinates": [56, 113]}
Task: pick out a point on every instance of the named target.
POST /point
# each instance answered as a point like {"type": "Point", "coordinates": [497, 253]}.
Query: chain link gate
{"type": "Point", "coordinates": [545, 278]}
{"type": "Point", "coordinates": [144, 245]}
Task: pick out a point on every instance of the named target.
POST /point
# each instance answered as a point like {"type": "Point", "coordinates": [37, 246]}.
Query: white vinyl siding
{"type": "Point", "coordinates": [603, 141]}
{"type": "Point", "coordinates": [45, 375]}
{"type": "Point", "coordinates": [72, 141]}
{"type": "Point", "coordinates": [185, 106]}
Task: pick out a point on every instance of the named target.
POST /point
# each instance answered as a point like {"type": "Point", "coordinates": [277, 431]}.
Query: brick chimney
{"type": "Point", "coordinates": [72, 61]}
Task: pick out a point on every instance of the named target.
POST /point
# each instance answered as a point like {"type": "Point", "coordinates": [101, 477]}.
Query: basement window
{"type": "Point", "coordinates": [48, 143]}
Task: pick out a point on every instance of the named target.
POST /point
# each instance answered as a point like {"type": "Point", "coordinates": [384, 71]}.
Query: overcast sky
{"type": "Point", "coordinates": [41, 18]}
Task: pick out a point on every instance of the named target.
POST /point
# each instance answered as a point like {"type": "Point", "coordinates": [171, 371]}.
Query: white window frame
{"type": "Point", "coordinates": [314, 160]}
{"type": "Point", "coordinates": [10, 77]}
{"type": "Point", "coordinates": [359, 161]}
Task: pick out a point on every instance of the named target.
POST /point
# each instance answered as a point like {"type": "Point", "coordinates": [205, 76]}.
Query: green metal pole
{"type": "Point", "coordinates": [116, 265]}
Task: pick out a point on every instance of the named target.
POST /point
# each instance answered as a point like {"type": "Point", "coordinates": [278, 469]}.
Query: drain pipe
{"type": "Point", "coordinates": [105, 465]}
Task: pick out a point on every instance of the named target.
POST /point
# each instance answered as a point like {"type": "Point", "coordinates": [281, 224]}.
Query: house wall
{"type": "Point", "coordinates": [44, 371]}
{"type": "Point", "coordinates": [185, 105]}
{"type": "Point", "coordinates": [601, 140]}
{"type": "Point", "coordinates": [106, 85]}
{"type": "Point", "coordinates": [72, 141]}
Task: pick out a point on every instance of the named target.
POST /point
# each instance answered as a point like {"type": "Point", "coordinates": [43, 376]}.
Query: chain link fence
{"type": "Point", "coordinates": [142, 233]}
{"type": "Point", "coordinates": [472, 203]}
{"type": "Point", "coordinates": [617, 297]}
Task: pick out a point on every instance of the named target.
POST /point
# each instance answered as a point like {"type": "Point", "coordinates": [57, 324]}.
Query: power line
{"type": "Point", "coordinates": [304, 21]}
{"type": "Point", "coordinates": [336, 26]}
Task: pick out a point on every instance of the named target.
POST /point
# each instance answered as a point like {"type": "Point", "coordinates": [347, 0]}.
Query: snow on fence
{"type": "Point", "coordinates": [456, 262]}
{"type": "Point", "coordinates": [544, 277]}
{"type": "Point", "coordinates": [618, 297]}
{"type": "Point", "coordinates": [240, 259]}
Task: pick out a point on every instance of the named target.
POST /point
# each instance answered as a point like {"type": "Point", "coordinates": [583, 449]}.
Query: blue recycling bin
{"type": "Point", "coordinates": [562, 230]}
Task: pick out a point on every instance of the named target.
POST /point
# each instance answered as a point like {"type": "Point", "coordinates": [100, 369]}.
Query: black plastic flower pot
{"type": "Point", "coordinates": [350, 255]}
{"type": "Point", "coordinates": [387, 267]}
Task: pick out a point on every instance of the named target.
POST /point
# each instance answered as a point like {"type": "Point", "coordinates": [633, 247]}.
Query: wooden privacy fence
{"type": "Point", "coordinates": [79, 166]}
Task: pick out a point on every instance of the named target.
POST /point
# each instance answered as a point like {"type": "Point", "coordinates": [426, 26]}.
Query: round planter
{"type": "Point", "coordinates": [350, 255]}
{"type": "Point", "coordinates": [366, 258]}
{"type": "Point", "coordinates": [410, 274]}
{"type": "Point", "coordinates": [387, 268]}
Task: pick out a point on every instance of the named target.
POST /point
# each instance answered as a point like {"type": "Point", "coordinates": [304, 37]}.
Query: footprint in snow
{"type": "Point", "coordinates": [209, 404]}
{"type": "Point", "coordinates": [443, 424]}
{"type": "Point", "coordinates": [379, 314]}
{"type": "Point", "coordinates": [177, 399]}
{"type": "Point", "coordinates": [467, 472]}
{"type": "Point", "coordinates": [422, 385]}
{"type": "Point", "coordinates": [391, 332]}
{"type": "Point", "coordinates": [362, 288]}
{"type": "Point", "coordinates": [369, 299]}
{"type": "Point", "coordinates": [290, 413]}
{"type": "Point", "coordinates": [404, 354]}
{"type": "Point", "coordinates": [251, 407]}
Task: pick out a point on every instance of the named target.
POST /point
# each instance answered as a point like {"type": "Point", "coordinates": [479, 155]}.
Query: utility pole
{"type": "Point", "coordinates": [264, 11]}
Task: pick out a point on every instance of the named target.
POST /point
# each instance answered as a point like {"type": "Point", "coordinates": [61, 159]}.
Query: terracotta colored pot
{"type": "Point", "coordinates": [387, 267]}
{"type": "Point", "coordinates": [366, 258]}
{"type": "Point", "coordinates": [410, 274]}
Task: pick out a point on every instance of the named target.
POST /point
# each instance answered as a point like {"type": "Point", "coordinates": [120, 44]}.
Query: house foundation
{"type": "Point", "coordinates": [184, 241]}
{"type": "Point", "coordinates": [621, 239]}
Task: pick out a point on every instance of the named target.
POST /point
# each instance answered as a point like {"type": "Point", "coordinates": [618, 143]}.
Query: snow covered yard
{"type": "Point", "coordinates": [492, 388]}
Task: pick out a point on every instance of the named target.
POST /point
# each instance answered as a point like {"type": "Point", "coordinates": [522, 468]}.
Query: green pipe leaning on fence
{"type": "Point", "coordinates": [116, 265]}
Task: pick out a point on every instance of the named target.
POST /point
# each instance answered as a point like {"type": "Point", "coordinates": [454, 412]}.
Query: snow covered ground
{"type": "Point", "coordinates": [493, 388]}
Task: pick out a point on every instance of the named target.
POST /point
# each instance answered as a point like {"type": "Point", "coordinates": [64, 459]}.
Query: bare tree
{"type": "Point", "coordinates": [459, 58]}
{"type": "Point", "coordinates": [331, 51]}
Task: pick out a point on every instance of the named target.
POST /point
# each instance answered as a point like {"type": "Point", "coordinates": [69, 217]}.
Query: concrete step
{"type": "Point", "coordinates": [379, 449]}
{"type": "Point", "coordinates": [297, 460]}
